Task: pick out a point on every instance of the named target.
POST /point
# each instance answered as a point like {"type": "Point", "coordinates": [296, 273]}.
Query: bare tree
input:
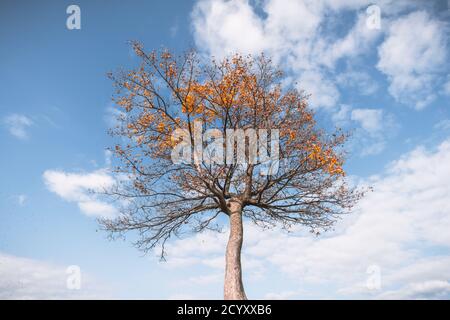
{"type": "Point", "coordinates": [304, 184]}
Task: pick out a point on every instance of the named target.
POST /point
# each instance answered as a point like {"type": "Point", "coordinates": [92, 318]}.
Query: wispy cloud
{"type": "Point", "coordinates": [17, 125]}
{"type": "Point", "coordinates": [442, 125]}
{"type": "Point", "coordinates": [372, 127]}
{"type": "Point", "coordinates": [113, 117]}
{"type": "Point", "coordinates": [78, 187]}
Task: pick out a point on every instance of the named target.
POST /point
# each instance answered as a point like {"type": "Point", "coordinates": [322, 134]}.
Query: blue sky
{"type": "Point", "coordinates": [389, 85]}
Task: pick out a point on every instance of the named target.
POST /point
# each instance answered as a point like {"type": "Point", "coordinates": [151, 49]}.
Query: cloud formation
{"type": "Point", "coordinates": [413, 55]}
{"type": "Point", "coordinates": [290, 33]}
{"type": "Point", "coordinates": [23, 278]}
{"type": "Point", "coordinates": [309, 40]}
{"type": "Point", "coordinates": [77, 187]}
{"type": "Point", "coordinates": [400, 229]}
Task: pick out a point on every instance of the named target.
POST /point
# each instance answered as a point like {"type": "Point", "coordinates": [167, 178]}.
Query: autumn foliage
{"type": "Point", "coordinates": [168, 92]}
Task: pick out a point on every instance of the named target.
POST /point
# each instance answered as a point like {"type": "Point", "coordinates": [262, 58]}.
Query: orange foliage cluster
{"type": "Point", "coordinates": [230, 94]}
{"type": "Point", "coordinates": [327, 159]}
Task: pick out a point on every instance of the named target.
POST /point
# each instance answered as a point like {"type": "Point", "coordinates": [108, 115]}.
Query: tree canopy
{"type": "Point", "coordinates": [167, 93]}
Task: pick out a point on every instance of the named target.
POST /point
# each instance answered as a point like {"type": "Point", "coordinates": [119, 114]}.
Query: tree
{"type": "Point", "coordinates": [167, 100]}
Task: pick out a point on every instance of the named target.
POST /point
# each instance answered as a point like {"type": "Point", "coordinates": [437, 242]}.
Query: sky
{"type": "Point", "coordinates": [385, 80]}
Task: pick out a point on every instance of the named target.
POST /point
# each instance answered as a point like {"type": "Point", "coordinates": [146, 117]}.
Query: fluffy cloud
{"type": "Point", "coordinates": [399, 230]}
{"type": "Point", "coordinates": [217, 24]}
{"type": "Point", "coordinates": [77, 187]}
{"type": "Point", "coordinates": [412, 55]}
{"type": "Point", "coordinates": [291, 32]}
{"type": "Point", "coordinates": [22, 278]}
{"type": "Point", "coordinates": [308, 40]}
{"type": "Point", "coordinates": [370, 119]}
{"type": "Point", "coordinates": [289, 29]}
{"type": "Point", "coordinates": [17, 125]}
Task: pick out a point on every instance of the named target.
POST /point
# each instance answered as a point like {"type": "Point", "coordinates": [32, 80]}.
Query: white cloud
{"type": "Point", "coordinates": [433, 289]}
{"type": "Point", "coordinates": [291, 32]}
{"type": "Point", "coordinates": [302, 36]}
{"type": "Point", "coordinates": [402, 227]}
{"type": "Point", "coordinates": [76, 187]}
{"type": "Point", "coordinates": [22, 278]}
{"type": "Point", "coordinates": [371, 120]}
{"type": "Point", "coordinates": [108, 158]}
{"type": "Point", "coordinates": [202, 280]}
{"type": "Point", "coordinates": [412, 55]}
{"type": "Point", "coordinates": [217, 24]}
{"type": "Point", "coordinates": [342, 115]}
{"type": "Point", "coordinates": [97, 208]}
{"type": "Point", "coordinates": [323, 91]}
{"type": "Point", "coordinates": [182, 296]}
{"type": "Point", "coordinates": [17, 125]}
{"type": "Point", "coordinates": [359, 39]}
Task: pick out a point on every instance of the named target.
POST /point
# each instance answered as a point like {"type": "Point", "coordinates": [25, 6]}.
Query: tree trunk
{"type": "Point", "coordinates": [233, 287]}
